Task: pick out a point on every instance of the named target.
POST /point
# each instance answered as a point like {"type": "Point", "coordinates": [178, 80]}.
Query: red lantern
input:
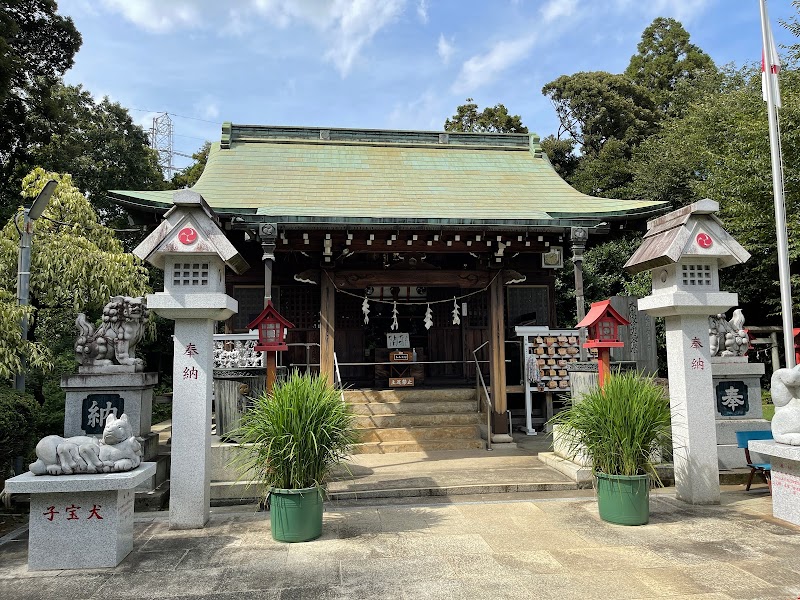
{"type": "Point", "coordinates": [271, 326]}
{"type": "Point", "coordinates": [602, 323]}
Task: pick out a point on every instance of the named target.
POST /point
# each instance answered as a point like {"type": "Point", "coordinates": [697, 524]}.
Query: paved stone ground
{"type": "Point", "coordinates": [491, 546]}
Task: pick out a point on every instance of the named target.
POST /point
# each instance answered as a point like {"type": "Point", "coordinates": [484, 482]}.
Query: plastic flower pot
{"type": "Point", "coordinates": [295, 515]}
{"type": "Point", "coordinates": [623, 499]}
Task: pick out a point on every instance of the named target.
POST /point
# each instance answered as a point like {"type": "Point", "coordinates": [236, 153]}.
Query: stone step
{"type": "Point", "coordinates": [416, 420]}
{"type": "Point", "coordinates": [417, 446]}
{"type": "Point", "coordinates": [418, 434]}
{"type": "Point", "coordinates": [420, 408]}
{"type": "Point", "coordinates": [365, 396]}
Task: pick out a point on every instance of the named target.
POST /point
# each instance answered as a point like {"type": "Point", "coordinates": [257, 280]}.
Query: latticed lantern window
{"type": "Point", "coordinates": [606, 330]}
{"type": "Point", "coordinates": [270, 333]}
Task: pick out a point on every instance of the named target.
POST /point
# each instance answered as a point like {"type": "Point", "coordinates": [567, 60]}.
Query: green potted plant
{"type": "Point", "coordinates": [620, 429]}
{"type": "Point", "coordinates": [290, 440]}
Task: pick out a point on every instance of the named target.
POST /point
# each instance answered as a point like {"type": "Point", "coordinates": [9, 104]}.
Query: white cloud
{"type": "Point", "coordinates": [355, 24]}
{"type": "Point", "coordinates": [484, 68]}
{"type": "Point", "coordinates": [210, 111]}
{"type": "Point", "coordinates": [555, 10]}
{"type": "Point", "coordinates": [445, 48]}
{"type": "Point", "coordinates": [420, 113]}
{"type": "Point", "coordinates": [349, 25]}
{"type": "Point", "coordinates": [158, 16]}
{"type": "Point", "coordinates": [422, 10]}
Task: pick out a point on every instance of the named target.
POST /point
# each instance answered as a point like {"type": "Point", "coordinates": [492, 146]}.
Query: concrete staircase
{"type": "Point", "coordinates": [415, 420]}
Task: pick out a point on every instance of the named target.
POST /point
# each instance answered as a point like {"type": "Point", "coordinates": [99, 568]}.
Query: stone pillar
{"type": "Point", "coordinates": [192, 372]}
{"type": "Point", "coordinates": [694, 436]}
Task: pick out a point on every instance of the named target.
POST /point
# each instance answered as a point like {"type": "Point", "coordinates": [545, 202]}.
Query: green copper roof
{"type": "Point", "coordinates": [347, 175]}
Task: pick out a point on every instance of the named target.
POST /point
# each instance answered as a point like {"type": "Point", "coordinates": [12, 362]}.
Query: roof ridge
{"type": "Point", "coordinates": [232, 132]}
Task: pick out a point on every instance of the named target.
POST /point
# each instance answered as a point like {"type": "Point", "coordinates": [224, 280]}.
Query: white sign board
{"type": "Point", "coordinates": [397, 340]}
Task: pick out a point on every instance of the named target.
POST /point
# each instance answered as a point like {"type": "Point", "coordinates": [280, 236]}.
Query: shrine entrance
{"type": "Point", "coordinates": [438, 355]}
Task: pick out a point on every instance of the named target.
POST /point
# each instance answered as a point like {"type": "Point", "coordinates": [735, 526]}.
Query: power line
{"type": "Point", "coordinates": [176, 115]}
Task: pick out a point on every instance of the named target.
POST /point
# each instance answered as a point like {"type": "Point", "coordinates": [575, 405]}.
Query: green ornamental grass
{"type": "Point", "coordinates": [293, 437]}
{"type": "Point", "coordinates": [619, 427]}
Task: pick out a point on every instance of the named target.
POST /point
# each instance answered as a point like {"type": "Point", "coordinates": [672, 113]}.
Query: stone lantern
{"type": "Point", "coordinates": [684, 251]}
{"type": "Point", "coordinates": [193, 252]}
{"type": "Point", "coordinates": [271, 326]}
{"type": "Point", "coordinates": [603, 323]}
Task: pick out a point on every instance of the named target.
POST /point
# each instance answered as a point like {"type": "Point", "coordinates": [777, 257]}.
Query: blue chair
{"type": "Point", "coordinates": [765, 469]}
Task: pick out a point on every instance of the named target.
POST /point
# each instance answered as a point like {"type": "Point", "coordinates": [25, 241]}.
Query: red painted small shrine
{"type": "Point", "coordinates": [603, 323]}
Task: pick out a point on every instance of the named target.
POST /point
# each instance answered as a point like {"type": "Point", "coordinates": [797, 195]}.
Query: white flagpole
{"type": "Point", "coordinates": [777, 190]}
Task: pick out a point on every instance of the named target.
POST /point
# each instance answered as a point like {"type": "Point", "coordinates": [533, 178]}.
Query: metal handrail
{"type": "Point", "coordinates": [337, 376]}
{"type": "Point", "coordinates": [485, 398]}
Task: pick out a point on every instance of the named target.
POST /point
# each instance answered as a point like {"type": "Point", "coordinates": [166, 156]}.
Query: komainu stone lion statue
{"type": "Point", "coordinates": [786, 398]}
{"type": "Point", "coordinates": [119, 450]}
{"type": "Point", "coordinates": [114, 342]}
{"type": "Point", "coordinates": [728, 338]}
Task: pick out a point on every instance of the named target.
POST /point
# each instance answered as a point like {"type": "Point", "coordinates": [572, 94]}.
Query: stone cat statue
{"type": "Point", "coordinates": [118, 450]}
{"type": "Point", "coordinates": [786, 398]}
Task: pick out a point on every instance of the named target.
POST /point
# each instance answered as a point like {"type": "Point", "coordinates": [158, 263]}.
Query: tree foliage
{"type": "Point", "coordinates": [189, 176]}
{"type": "Point", "coordinates": [607, 116]}
{"type": "Point", "coordinates": [665, 57]}
{"type": "Point", "coordinates": [96, 142]}
{"type": "Point", "coordinates": [76, 264]}
{"type": "Point", "coordinates": [720, 149]}
{"type": "Point", "coordinates": [492, 119]}
{"type": "Point", "coordinates": [44, 122]}
{"type": "Point", "coordinates": [37, 46]}
{"type": "Point", "coordinates": [18, 418]}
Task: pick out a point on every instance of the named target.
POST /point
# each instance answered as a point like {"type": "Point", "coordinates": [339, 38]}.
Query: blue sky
{"type": "Point", "coordinates": [392, 64]}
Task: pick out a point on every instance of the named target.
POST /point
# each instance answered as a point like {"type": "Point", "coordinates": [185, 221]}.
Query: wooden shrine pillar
{"type": "Point", "coordinates": [497, 346]}
{"type": "Point", "coordinates": [327, 322]}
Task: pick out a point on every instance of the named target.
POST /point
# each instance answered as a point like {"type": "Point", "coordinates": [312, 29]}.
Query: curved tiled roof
{"type": "Point", "coordinates": [349, 175]}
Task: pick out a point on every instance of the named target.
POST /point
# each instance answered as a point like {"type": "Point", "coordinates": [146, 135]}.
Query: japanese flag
{"type": "Point", "coordinates": [771, 53]}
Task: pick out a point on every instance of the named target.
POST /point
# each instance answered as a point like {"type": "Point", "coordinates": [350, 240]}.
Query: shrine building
{"type": "Point", "coordinates": [371, 241]}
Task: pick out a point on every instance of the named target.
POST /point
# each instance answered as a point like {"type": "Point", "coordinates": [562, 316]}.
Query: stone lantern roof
{"type": "Point", "coordinates": [694, 232]}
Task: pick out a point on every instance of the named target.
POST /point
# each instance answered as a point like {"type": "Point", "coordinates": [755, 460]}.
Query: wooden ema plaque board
{"type": "Point", "coordinates": [553, 353]}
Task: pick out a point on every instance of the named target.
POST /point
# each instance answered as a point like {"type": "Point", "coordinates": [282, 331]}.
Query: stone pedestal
{"type": "Point", "coordinates": [737, 406]}
{"type": "Point", "coordinates": [785, 462]}
{"type": "Point", "coordinates": [91, 396]}
{"type": "Point", "coordinates": [80, 521]}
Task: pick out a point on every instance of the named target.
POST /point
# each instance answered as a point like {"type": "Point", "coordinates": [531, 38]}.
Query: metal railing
{"type": "Point", "coordinates": [485, 397]}
{"type": "Point", "coordinates": [337, 376]}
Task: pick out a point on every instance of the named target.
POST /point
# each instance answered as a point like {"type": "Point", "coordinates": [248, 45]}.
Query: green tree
{"type": "Point", "coordinates": [720, 149]}
{"type": "Point", "coordinates": [76, 265]}
{"type": "Point", "coordinates": [665, 57]}
{"type": "Point", "coordinates": [561, 153]}
{"type": "Point", "coordinates": [189, 176]}
{"type": "Point", "coordinates": [492, 119]}
{"type": "Point", "coordinates": [605, 116]}
{"type": "Point", "coordinates": [36, 47]}
{"type": "Point", "coordinates": [595, 107]}
{"type": "Point", "coordinates": [96, 142]}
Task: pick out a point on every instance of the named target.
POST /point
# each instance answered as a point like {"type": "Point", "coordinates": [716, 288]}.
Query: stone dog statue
{"type": "Point", "coordinates": [114, 342]}
{"type": "Point", "coordinates": [786, 398]}
{"type": "Point", "coordinates": [119, 450]}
